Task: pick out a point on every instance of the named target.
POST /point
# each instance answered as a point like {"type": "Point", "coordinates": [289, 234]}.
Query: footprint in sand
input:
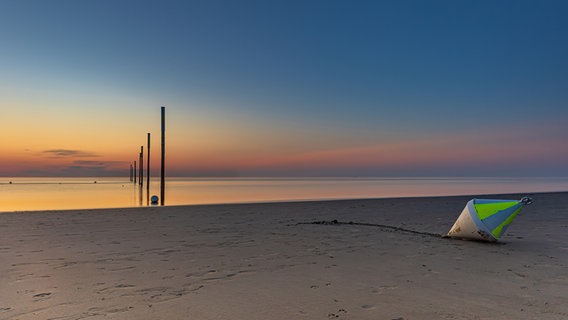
{"type": "Point", "coordinates": [42, 296]}
{"type": "Point", "coordinates": [337, 315]}
{"type": "Point", "coordinates": [119, 310]}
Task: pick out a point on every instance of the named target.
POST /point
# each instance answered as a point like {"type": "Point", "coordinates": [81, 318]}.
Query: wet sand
{"type": "Point", "coordinates": [262, 261]}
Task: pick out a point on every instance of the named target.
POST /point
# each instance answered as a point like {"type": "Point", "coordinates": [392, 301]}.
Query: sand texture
{"type": "Point", "coordinates": [259, 261]}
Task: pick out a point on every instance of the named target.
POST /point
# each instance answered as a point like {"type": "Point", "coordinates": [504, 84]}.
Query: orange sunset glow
{"type": "Point", "coordinates": [78, 96]}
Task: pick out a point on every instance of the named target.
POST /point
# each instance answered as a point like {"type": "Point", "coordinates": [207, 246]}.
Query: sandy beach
{"type": "Point", "coordinates": [265, 261]}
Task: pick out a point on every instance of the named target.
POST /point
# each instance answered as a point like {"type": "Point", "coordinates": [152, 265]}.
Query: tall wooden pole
{"type": "Point", "coordinates": [148, 173]}
{"type": "Point", "coordinates": [135, 172]}
{"type": "Point", "coordinates": [141, 181]}
{"type": "Point", "coordinates": [163, 165]}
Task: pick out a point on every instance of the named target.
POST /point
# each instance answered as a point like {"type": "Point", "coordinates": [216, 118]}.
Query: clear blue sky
{"type": "Point", "coordinates": [299, 87]}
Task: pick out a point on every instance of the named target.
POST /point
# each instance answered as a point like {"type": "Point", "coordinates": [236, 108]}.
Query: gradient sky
{"type": "Point", "coordinates": [285, 88]}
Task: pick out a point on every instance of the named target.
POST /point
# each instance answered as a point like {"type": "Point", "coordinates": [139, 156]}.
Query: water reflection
{"type": "Point", "coordinates": [75, 193]}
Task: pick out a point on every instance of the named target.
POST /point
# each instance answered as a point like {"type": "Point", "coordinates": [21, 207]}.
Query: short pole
{"type": "Point", "coordinates": [141, 177]}
{"type": "Point", "coordinates": [134, 171]}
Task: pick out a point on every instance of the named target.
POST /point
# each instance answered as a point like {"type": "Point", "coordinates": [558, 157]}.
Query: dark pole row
{"type": "Point", "coordinates": [140, 172]}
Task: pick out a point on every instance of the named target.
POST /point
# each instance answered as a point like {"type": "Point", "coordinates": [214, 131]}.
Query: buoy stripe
{"type": "Point", "coordinates": [497, 219]}
{"type": "Point", "coordinates": [497, 232]}
{"type": "Point", "coordinates": [485, 210]}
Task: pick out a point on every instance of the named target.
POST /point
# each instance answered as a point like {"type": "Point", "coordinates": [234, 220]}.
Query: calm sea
{"type": "Point", "coordinates": [22, 194]}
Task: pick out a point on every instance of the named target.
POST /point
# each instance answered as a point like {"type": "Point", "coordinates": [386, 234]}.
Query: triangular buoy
{"type": "Point", "coordinates": [486, 220]}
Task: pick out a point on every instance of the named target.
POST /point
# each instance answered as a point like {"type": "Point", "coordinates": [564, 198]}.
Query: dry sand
{"type": "Point", "coordinates": [254, 261]}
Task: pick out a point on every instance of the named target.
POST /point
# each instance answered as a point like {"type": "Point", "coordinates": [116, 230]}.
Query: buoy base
{"type": "Point", "coordinates": [466, 228]}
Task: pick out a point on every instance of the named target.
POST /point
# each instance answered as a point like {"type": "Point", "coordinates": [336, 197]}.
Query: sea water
{"type": "Point", "coordinates": [23, 194]}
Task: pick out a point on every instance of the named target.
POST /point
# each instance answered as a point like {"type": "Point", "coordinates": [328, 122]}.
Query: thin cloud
{"type": "Point", "coordinates": [69, 153]}
{"type": "Point", "coordinates": [94, 163]}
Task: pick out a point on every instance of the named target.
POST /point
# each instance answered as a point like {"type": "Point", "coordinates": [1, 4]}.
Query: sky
{"type": "Point", "coordinates": [285, 88]}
